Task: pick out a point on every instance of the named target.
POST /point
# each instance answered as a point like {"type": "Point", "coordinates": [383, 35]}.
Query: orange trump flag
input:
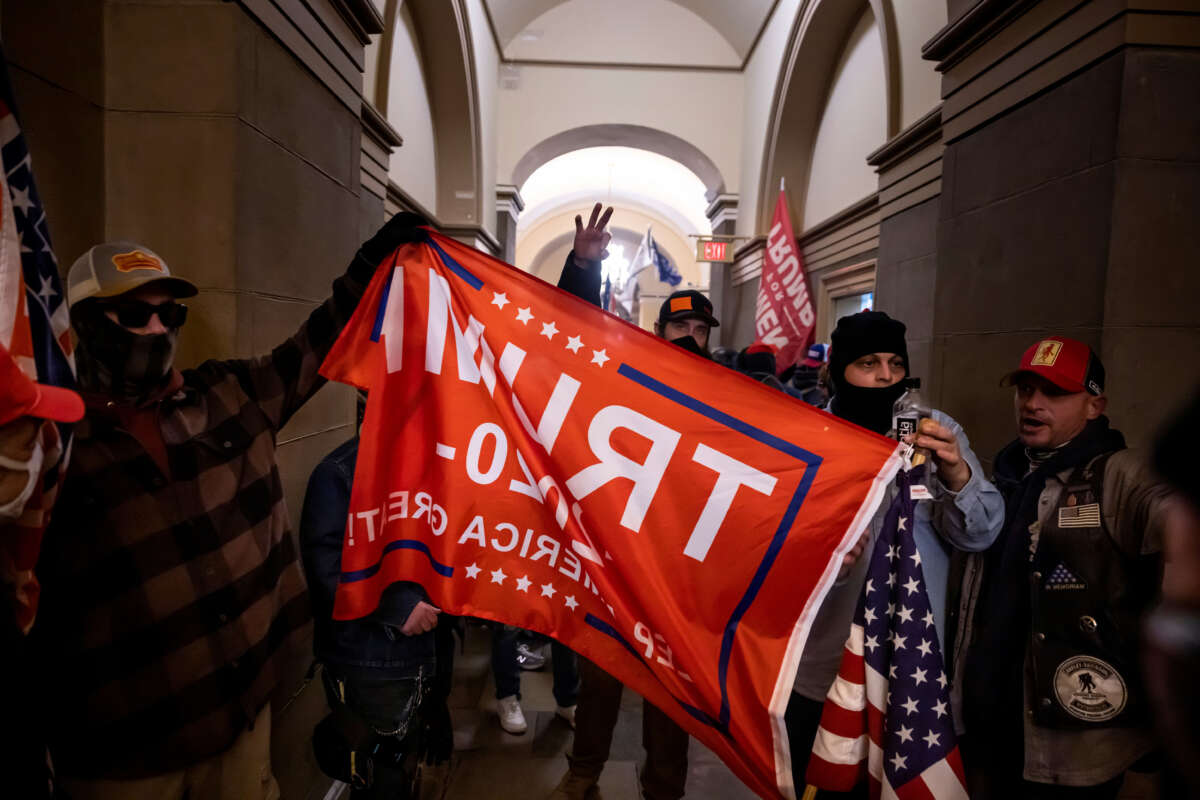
{"type": "Point", "coordinates": [530, 459]}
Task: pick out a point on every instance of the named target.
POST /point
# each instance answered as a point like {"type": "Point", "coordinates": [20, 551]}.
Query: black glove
{"type": "Point", "coordinates": [403, 228]}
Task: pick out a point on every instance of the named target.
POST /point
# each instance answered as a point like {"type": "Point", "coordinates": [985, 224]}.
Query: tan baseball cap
{"type": "Point", "coordinates": [114, 268]}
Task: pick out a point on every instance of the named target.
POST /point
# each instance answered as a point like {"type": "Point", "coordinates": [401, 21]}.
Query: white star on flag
{"type": "Point", "coordinates": [898, 761]}
{"type": "Point", "coordinates": [870, 587]}
{"type": "Point", "coordinates": [912, 585]}
{"type": "Point", "coordinates": [548, 590]}
{"type": "Point", "coordinates": [928, 619]}
{"type": "Point", "coordinates": [916, 558]}
{"type": "Point", "coordinates": [891, 552]}
{"type": "Point", "coordinates": [919, 676]}
{"type": "Point", "coordinates": [47, 290]}
{"type": "Point", "coordinates": [473, 571]}
{"type": "Point", "coordinates": [924, 647]}
{"type": "Point", "coordinates": [499, 299]}
{"type": "Point", "coordinates": [523, 583]}
{"type": "Point", "coordinates": [932, 738]}
{"type": "Point", "coordinates": [570, 601]}
{"type": "Point", "coordinates": [905, 733]}
{"type": "Point", "coordinates": [20, 199]}
{"type": "Point", "coordinates": [900, 525]}
{"type": "Point", "coordinates": [905, 614]}
{"type": "Point", "coordinates": [911, 706]}
{"type": "Point", "coordinates": [942, 680]}
{"type": "Point", "coordinates": [871, 643]}
{"type": "Point", "coordinates": [549, 329]}
{"type": "Point", "coordinates": [939, 708]}
{"type": "Point", "coordinates": [574, 343]}
{"type": "Point", "coordinates": [498, 576]}
{"type": "Point", "coordinates": [869, 615]}
{"type": "Point", "coordinates": [524, 315]}
{"type": "Point", "coordinates": [599, 357]}
{"type": "Point", "coordinates": [898, 641]}
{"type": "Point", "coordinates": [891, 579]}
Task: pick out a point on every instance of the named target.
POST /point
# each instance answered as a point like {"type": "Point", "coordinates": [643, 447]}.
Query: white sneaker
{"type": "Point", "coordinates": [512, 719]}
{"type": "Point", "coordinates": [567, 713]}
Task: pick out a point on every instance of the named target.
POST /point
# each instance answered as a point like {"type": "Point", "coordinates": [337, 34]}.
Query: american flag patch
{"type": "Point", "coordinates": [1087, 516]}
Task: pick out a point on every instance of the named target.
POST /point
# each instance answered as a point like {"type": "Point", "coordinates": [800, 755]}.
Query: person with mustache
{"type": "Point", "coordinates": [173, 604]}
{"type": "Point", "coordinates": [1046, 648]}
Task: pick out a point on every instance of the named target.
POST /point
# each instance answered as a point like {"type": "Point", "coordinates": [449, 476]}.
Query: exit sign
{"type": "Point", "coordinates": [714, 250]}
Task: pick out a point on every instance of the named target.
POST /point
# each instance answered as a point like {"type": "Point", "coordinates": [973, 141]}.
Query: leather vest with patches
{"type": "Point", "coordinates": [1087, 596]}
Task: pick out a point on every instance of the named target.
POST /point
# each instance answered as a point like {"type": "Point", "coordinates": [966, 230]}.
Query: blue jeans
{"type": "Point", "coordinates": [508, 674]}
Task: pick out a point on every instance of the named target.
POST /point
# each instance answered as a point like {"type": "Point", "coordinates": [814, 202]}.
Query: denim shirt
{"type": "Point", "coordinates": [373, 642]}
{"type": "Point", "coordinates": [969, 519]}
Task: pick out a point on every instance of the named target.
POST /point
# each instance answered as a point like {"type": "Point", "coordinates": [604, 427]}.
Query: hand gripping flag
{"type": "Point", "coordinates": [783, 315]}
{"type": "Point", "coordinates": [530, 459]}
{"type": "Point", "coordinates": [35, 329]}
{"type": "Point", "coordinates": [889, 708]}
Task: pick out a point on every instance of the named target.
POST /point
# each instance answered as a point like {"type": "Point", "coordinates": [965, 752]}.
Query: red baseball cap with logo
{"type": "Point", "coordinates": [21, 397]}
{"type": "Point", "coordinates": [1069, 364]}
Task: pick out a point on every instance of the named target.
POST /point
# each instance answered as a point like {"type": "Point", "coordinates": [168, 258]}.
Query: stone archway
{"type": "Point", "coordinates": [619, 135]}
{"type": "Point", "coordinates": [818, 36]}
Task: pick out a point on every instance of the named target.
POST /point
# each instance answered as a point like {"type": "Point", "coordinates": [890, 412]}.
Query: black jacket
{"type": "Point", "coordinates": [373, 643]}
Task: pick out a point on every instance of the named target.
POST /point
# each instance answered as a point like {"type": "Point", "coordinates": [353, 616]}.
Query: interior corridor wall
{"type": "Point", "coordinates": [703, 107]}
{"type": "Point", "coordinates": [852, 125]}
{"type": "Point", "coordinates": [413, 166]}
{"type": "Point", "coordinates": [487, 65]}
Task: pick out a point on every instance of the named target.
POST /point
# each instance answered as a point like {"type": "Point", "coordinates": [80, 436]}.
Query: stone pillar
{"type": "Point", "coordinates": [910, 185]}
{"type": "Point", "coordinates": [1070, 192]}
{"type": "Point", "coordinates": [722, 213]}
{"type": "Point", "coordinates": [509, 206]}
{"type": "Point", "coordinates": [227, 137]}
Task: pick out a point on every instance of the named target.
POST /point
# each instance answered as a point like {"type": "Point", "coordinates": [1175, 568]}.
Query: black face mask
{"type": "Point", "coordinates": [870, 408]}
{"type": "Point", "coordinates": [691, 345]}
{"type": "Point", "coordinates": [128, 367]}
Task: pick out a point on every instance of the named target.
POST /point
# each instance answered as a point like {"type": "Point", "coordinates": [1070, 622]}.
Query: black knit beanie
{"type": "Point", "coordinates": [860, 334]}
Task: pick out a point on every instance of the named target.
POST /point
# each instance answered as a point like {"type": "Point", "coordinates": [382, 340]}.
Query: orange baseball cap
{"type": "Point", "coordinates": [22, 397]}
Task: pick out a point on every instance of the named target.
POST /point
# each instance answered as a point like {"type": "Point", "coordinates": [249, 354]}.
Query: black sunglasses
{"type": "Point", "coordinates": [137, 313]}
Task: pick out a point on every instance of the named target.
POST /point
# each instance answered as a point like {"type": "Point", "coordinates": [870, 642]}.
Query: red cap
{"type": "Point", "coordinates": [1067, 363]}
{"type": "Point", "coordinates": [22, 397]}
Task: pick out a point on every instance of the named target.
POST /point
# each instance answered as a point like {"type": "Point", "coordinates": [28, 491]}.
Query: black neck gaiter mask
{"type": "Point", "coordinates": [127, 367]}
{"type": "Point", "coordinates": [870, 408]}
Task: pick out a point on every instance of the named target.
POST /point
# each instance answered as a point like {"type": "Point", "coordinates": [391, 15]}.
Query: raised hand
{"type": "Point", "coordinates": [590, 242]}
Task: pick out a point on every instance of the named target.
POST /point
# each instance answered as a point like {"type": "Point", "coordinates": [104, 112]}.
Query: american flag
{"type": "Point", "coordinates": [35, 327]}
{"type": "Point", "coordinates": [889, 709]}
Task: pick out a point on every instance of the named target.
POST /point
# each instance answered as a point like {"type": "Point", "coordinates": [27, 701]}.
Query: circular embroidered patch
{"type": "Point", "coordinates": [1090, 689]}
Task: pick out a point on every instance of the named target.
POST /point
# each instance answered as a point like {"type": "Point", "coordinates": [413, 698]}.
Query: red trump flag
{"type": "Point", "coordinates": [529, 459]}
{"type": "Point", "coordinates": [783, 314]}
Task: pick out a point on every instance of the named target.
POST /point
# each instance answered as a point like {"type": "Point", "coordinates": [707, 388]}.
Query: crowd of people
{"type": "Point", "coordinates": [173, 597]}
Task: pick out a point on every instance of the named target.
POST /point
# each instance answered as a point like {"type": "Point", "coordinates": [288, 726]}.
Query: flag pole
{"type": "Point", "coordinates": [810, 791]}
{"type": "Point", "coordinates": [781, 183]}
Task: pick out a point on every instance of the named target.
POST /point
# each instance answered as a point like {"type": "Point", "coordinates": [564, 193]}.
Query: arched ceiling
{"type": "Point", "coordinates": [693, 31]}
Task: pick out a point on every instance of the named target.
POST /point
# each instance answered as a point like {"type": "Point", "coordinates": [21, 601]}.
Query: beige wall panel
{"type": "Point", "coordinates": [703, 108]}
{"type": "Point", "coordinates": [298, 230]}
{"type": "Point", "coordinates": [211, 330]}
{"type": "Point", "coordinates": [1150, 372]}
{"type": "Point", "coordinates": [182, 58]}
{"type": "Point", "coordinates": [920, 84]}
{"type": "Point", "coordinates": [760, 81]}
{"type": "Point", "coordinates": [487, 66]}
{"type": "Point", "coordinates": [313, 124]}
{"type": "Point", "coordinates": [169, 184]}
{"type": "Point", "coordinates": [853, 124]}
{"type": "Point", "coordinates": [414, 165]}
{"type": "Point", "coordinates": [292, 757]}
{"type": "Point", "coordinates": [27, 25]}
{"type": "Point", "coordinates": [65, 135]}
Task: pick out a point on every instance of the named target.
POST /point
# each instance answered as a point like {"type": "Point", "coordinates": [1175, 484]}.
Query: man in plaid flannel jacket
{"type": "Point", "coordinates": [172, 597]}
